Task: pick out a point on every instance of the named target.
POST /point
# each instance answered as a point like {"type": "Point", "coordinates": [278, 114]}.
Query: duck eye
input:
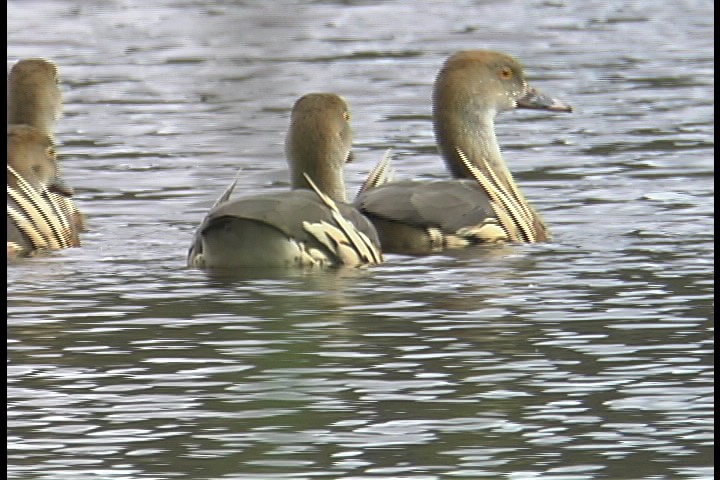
{"type": "Point", "coordinates": [506, 73]}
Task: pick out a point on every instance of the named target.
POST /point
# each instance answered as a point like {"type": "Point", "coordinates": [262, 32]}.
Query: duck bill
{"type": "Point", "coordinates": [537, 100]}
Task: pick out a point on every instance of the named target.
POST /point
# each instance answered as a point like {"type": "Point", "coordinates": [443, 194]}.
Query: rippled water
{"type": "Point", "coordinates": [586, 358]}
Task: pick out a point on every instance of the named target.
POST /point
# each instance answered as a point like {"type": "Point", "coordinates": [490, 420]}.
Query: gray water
{"type": "Point", "coordinates": [589, 357]}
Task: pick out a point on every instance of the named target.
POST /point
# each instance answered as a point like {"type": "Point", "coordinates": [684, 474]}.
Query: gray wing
{"type": "Point", "coordinates": [304, 217]}
{"type": "Point", "coordinates": [286, 211]}
{"type": "Point", "coordinates": [446, 204]}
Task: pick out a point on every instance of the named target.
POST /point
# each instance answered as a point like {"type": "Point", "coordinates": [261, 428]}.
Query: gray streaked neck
{"type": "Point", "coordinates": [39, 108]}
{"type": "Point", "coordinates": [474, 134]}
{"type": "Point", "coordinates": [328, 178]}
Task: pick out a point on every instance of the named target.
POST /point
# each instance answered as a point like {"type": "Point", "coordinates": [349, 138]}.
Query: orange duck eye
{"type": "Point", "coordinates": [506, 73]}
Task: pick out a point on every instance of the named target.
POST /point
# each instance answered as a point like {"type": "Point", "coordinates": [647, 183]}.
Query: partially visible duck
{"type": "Point", "coordinates": [309, 226]}
{"type": "Point", "coordinates": [482, 203]}
{"type": "Point", "coordinates": [40, 211]}
{"type": "Point", "coordinates": [34, 96]}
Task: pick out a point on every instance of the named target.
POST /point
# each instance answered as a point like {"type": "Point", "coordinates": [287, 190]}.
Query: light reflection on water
{"type": "Point", "coordinates": [588, 357]}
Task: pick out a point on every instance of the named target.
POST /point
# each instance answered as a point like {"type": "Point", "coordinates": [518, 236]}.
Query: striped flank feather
{"type": "Point", "coordinates": [45, 219]}
{"type": "Point", "coordinates": [515, 216]}
{"type": "Point", "coordinates": [350, 245]}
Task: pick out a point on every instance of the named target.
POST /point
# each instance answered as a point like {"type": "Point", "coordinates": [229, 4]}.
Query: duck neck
{"type": "Point", "coordinates": [328, 178]}
{"type": "Point", "coordinates": [40, 109]}
{"type": "Point", "coordinates": [474, 134]}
